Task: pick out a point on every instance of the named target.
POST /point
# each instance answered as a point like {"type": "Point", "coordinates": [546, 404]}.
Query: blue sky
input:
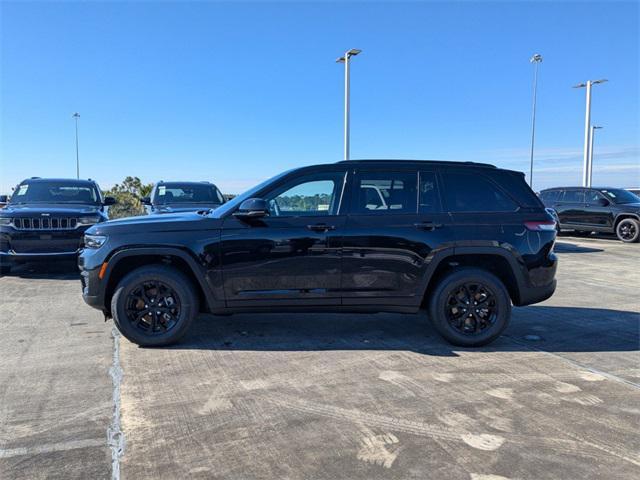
{"type": "Point", "coordinates": [236, 92]}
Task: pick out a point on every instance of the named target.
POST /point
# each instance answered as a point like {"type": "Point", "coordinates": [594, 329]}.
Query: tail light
{"type": "Point", "coordinates": [541, 226]}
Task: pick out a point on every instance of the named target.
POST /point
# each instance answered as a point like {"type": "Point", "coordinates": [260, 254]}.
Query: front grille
{"type": "Point", "coordinates": [45, 223]}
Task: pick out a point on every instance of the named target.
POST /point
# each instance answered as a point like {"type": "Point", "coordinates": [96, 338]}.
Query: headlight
{"type": "Point", "coordinates": [5, 221]}
{"type": "Point", "coordinates": [94, 241]}
{"type": "Point", "coordinates": [90, 220]}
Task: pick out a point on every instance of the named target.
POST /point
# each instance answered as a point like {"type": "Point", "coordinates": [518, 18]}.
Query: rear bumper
{"type": "Point", "coordinates": [539, 282]}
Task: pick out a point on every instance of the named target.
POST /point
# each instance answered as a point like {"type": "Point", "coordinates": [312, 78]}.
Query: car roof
{"type": "Point", "coordinates": [577, 187]}
{"type": "Point", "coordinates": [70, 181]}
{"type": "Point", "coordinates": [178, 182]}
{"type": "Point", "coordinates": [416, 162]}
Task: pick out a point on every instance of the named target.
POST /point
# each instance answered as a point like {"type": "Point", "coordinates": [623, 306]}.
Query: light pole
{"type": "Point", "coordinates": [345, 59]}
{"type": "Point", "coordinates": [76, 116]}
{"type": "Point", "coordinates": [536, 59]}
{"type": "Point", "coordinates": [587, 127]}
{"type": "Point", "coordinates": [593, 132]}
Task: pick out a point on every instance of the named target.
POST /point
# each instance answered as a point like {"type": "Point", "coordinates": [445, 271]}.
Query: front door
{"type": "Point", "coordinates": [596, 213]}
{"type": "Point", "coordinates": [292, 256]}
{"type": "Point", "coordinates": [395, 221]}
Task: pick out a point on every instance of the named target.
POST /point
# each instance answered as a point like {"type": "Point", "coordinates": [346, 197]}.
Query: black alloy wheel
{"type": "Point", "coordinates": [471, 308]}
{"type": "Point", "coordinates": [153, 307]}
{"type": "Point", "coordinates": [628, 230]}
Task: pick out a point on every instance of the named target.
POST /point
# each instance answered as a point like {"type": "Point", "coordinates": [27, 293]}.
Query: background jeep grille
{"type": "Point", "coordinates": [45, 223]}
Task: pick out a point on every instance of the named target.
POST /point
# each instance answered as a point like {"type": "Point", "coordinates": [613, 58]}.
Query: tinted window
{"type": "Point", "coordinates": [465, 192]}
{"type": "Point", "coordinates": [428, 198]}
{"type": "Point", "coordinates": [186, 193]}
{"type": "Point", "coordinates": [550, 195]}
{"type": "Point", "coordinates": [573, 196]}
{"type": "Point", "coordinates": [619, 195]}
{"type": "Point", "coordinates": [316, 194]}
{"type": "Point", "coordinates": [55, 192]}
{"type": "Point", "coordinates": [592, 196]}
{"type": "Point", "coordinates": [385, 192]}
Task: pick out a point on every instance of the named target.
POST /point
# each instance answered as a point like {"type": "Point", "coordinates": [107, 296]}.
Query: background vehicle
{"type": "Point", "coordinates": [462, 240]}
{"type": "Point", "coordinates": [586, 210]}
{"type": "Point", "coordinates": [168, 197]}
{"type": "Point", "coordinates": [46, 219]}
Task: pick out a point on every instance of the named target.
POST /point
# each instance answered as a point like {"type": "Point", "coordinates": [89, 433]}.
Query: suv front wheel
{"type": "Point", "coordinates": [154, 305]}
{"type": "Point", "coordinates": [628, 230]}
{"type": "Point", "coordinates": [470, 307]}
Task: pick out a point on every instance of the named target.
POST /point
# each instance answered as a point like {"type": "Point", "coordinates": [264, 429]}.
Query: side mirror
{"type": "Point", "coordinates": [252, 208]}
{"type": "Point", "coordinates": [603, 202]}
{"type": "Point", "coordinates": [109, 201]}
{"type": "Point", "coordinates": [145, 200]}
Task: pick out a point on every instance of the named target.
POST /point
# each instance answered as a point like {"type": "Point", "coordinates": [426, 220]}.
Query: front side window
{"type": "Point", "coordinates": [464, 192]}
{"type": "Point", "coordinates": [317, 194]}
{"type": "Point", "coordinates": [384, 192]}
{"type": "Point", "coordinates": [55, 192]}
{"type": "Point", "coordinates": [573, 196]}
{"type": "Point", "coordinates": [621, 196]}
{"type": "Point", "coordinates": [593, 196]}
{"type": "Point", "coordinates": [176, 193]}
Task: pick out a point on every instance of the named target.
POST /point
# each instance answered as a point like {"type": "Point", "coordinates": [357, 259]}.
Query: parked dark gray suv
{"type": "Point", "coordinates": [586, 210]}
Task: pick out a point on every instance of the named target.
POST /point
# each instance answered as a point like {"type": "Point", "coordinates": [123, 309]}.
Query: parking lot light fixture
{"type": "Point", "coordinates": [76, 116]}
{"type": "Point", "coordinates": [593, 132]}
{"type": "Point", "coordinates": [536, 59]}
{"type": "Point", "coordinates": [345, 59]}
{"type": "Point", "coordinates": [587, 128]}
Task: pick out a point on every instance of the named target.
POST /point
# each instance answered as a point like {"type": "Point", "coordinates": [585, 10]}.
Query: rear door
{"type": "Point", "coordinates": [571, 207]}
{"type": "Point", "coordinates": [394, 224]}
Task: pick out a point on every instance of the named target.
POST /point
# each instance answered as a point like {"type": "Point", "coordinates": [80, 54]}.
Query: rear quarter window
{"type": "Point", "coordinates": [473, 192]}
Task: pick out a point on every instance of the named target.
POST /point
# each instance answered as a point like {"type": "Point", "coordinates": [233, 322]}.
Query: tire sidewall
{"type": "Point", "coordinates": [439, 299]}
{"type": "Point", "coordinates": [181, 285]}
{"type": "Point", "coordinates": [632, 221]}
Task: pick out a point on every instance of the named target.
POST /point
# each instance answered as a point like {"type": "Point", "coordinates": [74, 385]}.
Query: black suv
{"type": "Point", "coordinates": [46, 219]}
{"type": "Point", "coordinates": [170, 197]}
{"type": "Point", "coordinates": [586, 210]}
{"type": "Point", "coordinates": [462, 240]}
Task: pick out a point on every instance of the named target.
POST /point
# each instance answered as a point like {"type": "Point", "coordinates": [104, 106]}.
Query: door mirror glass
{"type": "Point", "coordinates": [109, 201]}
{"type": "Point", "coordinates": [145, 200]}
{"type": "Point", "coordinates": [252, 208]}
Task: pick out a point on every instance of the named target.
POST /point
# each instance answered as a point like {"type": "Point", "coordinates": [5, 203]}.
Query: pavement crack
{"type": "Point", "coordinates": [115, 437]}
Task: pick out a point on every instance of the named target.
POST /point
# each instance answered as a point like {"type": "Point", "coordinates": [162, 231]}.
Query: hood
{"type": "Point", "coordinates": [631, 206]}
{"type": "Point", "coordinates": [168, 222]}
{"type": "Point", "coordinates": [29, 209]}
{"type": "Point", "coordinates": [183, 207]}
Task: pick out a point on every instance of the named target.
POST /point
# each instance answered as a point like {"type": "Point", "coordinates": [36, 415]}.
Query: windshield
{"type": "Point", "coordinates": [618, 195]}
{"type": "Point", "coordinates": [169, 193]}
{"type": "Point", "coordinates": [55, 192]}
{"type": "Point", "coordinates": [233, 203]}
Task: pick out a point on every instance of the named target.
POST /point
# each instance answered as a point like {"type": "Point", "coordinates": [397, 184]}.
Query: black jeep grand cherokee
{"type": "Point", "coordinates": [462, 240]}
{"type": "Point", "coordinates": [46, 219]}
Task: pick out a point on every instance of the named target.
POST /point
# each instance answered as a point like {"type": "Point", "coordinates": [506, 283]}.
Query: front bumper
{"type": "Point", "coordinates": [12, 258]}
{"type": "Point", "coordinates": [93, 288]}
{"type": "Point", "coordinates": [20, 246]}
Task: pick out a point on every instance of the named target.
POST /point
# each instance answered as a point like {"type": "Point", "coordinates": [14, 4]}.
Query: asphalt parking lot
{"type": "Point", "coordinates": [327, 396]}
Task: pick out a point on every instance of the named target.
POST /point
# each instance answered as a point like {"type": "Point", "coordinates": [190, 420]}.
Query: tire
{"type": "Point", "coordinates": [628, 230]}
{"type": "Point", "coordinates": [166, 287]}
{"type": "Point", "coordinates": [5, 269]}
{"type": "Point", "coordinates": [490, 322]}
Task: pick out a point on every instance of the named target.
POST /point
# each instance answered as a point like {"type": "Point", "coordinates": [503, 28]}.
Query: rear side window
{"type": "Point", "coordinates": [516, 186]}
{"type": "Point", "coordinates": [465, 192]}
{"type": "Point", "coordinates": [573, 196]}
{"type": "Point", "coordinates": [551, 195]}
{"type": "Point", "coordinates": [384, 192]}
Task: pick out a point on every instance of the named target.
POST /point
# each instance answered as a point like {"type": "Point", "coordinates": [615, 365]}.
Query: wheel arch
{"type": "Point", "coordinates": [622, 216]}
{"type": "Point", "coordinates": [125, 261]}
{"type": "Point", "coordinates": [496, 260]}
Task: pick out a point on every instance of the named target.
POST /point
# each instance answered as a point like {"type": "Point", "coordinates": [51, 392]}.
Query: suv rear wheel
{"type": "Point", "coordinates": [470, 307]}
{"type": "Point", "coordinates": [628, 230]}
{"type": "Point", "coordinates": [154, 305]}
